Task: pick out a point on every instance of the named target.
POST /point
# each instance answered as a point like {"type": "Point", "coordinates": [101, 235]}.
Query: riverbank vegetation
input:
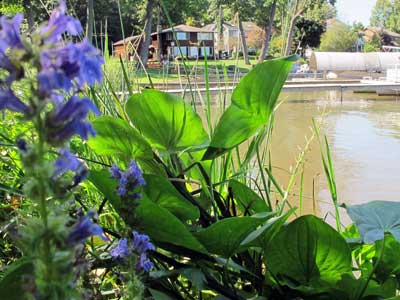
{"type": "Point", "coordinates": [110, 193]}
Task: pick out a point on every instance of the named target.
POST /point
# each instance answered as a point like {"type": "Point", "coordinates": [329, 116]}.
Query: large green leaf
{"type": "Point", "coordinates": [224, 237]}
{"type": "Point", "coordinates": [166, 121]}
{"type": "Point", "coordinates": [375, 218]}
{"type": "Point", "coordinates": [253, 101]}
{"type": "Point", "coordinates": [160, 190]}
{"type": "Point", "coordinates": [247, 199]}
{"type": "Point", "coordinates": [162, 226]}
{"type": "Point", "coordinates": [116, 137]}
{"type": "Point", "coordinates": [308, 251]}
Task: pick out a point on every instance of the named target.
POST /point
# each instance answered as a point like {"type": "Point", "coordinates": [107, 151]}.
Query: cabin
{"type": "Point", "coordinates": [181, 40]}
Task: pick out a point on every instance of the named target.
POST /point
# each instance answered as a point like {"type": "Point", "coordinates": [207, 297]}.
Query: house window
{"type": "Point", "coordinates": [205, 51]}
{"type": "Point", "coordinates": [204, 36]}
{"type": "Point", "coordinates": [182, 36]}
{"type": "Point", "coordinates": [176, 52]}
{"type": "Point", "coordinates": [193, 52]}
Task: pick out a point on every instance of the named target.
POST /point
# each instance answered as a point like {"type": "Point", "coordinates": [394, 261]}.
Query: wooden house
{"type": "Point", "coordinates": [181, 40]}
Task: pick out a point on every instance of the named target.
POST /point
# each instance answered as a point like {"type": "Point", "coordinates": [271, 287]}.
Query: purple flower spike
{"type": "Point", "coordinates": [84, 229]}
{"type": "Point", "coordinates": [128, 181]}
{"type": "Point", "coordinates": [66, 162]}
{"type": "Point", "coordinates": [121, 251]}
{"type": "Point", "coordinates": [10, 32]}
{"type": "Point", "coordinates": [69, 119]}
{"type": "Point", "coordinates": [8, 100]}
{"type": "Point", "coordinates": [60, 23]}
{"type": "Point", "coordinates": [139, 246]}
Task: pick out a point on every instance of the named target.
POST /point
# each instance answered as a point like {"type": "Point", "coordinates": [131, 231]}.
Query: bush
{"type": "Point", "coordinates": [339, 38]}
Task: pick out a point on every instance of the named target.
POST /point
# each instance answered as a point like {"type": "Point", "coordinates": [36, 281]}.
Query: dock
{"type": "Point", "coordinates": [311, 87]}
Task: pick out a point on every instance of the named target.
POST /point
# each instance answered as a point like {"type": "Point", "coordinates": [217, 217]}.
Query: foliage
{"type": "Point", "coordinates": [338, 37]}
{"type": "Point", "coordinates": [216, 223]}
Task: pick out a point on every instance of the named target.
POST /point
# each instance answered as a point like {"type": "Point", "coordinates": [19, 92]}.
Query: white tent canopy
{"type": "Point", "coordinates": [353, 61]}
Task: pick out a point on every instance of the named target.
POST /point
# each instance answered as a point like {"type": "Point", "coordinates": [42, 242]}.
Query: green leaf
{"type": "Point", "coordinates": [308, 251]}
{"type": "Point", "coordinates": [11, 282]}
{"type": "Point", "coordinates": [116, 137]}
{"type": "Point", "coordinates": [390, 261]}
{"type": "Point", "coordinates": [247, 199]}
{"type": "Point", "coordinates": [224, 237]}
{"type": "Point", "coordinates": [161, 191]}
{"type": "Point", "coordinates": [166, 121]}
{"type": "Point", "coordinates": [263, 235]}
{"type": "Point", "coordinates": [234, 127]}
{"type": "Point", "coordinates": [375, 218]}
{"type": "Point", "coordinates": [253, 102]}
{"type": "Point", "coordinates": [157, 295]}
{"type": "Point", "coordinates": [163, 226]}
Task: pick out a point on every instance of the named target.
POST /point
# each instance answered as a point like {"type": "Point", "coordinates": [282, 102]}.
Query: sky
{"type": "Point", "coordinates": [350, 11]}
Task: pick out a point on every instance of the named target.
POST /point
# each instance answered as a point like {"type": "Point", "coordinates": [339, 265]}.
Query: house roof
{"type": "Point", "coordinates": [127, 40]}
{"type": "Point", "coordinates": [185, 28]}
{"type": "Point", "coordinates": [213, 27]}
{"type": "Point", "coordinates": [381, 30]}
{"type": "Point", "coordinates": [251, 26]}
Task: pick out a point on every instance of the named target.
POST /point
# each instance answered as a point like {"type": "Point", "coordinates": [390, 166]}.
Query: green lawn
{"type": "Point", "coordinates": [171, 74]}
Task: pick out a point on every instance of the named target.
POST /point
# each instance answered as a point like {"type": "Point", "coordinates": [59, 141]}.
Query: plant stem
{"type": "Point", "coordinates": [377, 262]}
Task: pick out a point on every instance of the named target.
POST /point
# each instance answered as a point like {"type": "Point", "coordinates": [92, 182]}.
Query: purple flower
{"type": "Point", "coordinates": [141, 243]}
{"type": "Point", "coordinates": [69, 119]}
{"type": "Point", "coordinates": [121, 251]}
{"type": "Point", "coordinates": [69, 162]}
{"type": "Point", "coordinates": [84, 229]}
{"type": "Point", "coordinates": [128, 181]}
{"type": "Point", "coordinates": [140, 246]}
{"type": "Point", "coordinates": [90, 64]}
{"type": "Point", "coordinates": [59, 23]}
{"type": "Point", "coordinates": [10, 32]}
{"type": "Point", "coordinates": [144, 263]}
{"type": "Point", "coordinates": [8, 100]}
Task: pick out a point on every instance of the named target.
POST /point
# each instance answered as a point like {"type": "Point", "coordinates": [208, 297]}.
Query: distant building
{"type": "Point", "coordinates": [189, 41]}
{"type": "Point", "coordinates": [386, 37]}
{"type": "Point", "coordinates": [231, 37]}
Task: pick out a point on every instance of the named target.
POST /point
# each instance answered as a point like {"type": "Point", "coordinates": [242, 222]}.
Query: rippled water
{"type": "Point", "coordinates": [364, 135]}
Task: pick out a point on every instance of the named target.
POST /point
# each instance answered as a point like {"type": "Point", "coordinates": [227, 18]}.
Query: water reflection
{"type": "Point", "coordinates": [363, 132]}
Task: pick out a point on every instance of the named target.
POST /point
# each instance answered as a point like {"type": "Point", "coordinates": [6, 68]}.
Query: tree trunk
{"type": "Point", "coordinates": [90, 20]}
{"type": "Point", "coordinates": [289, 41]}
{"type": "Point", "coordinates": [244, 44]}
{"type": "Point", "coordinates": [159, 41]}
{"type": "Point", "coordinates": [268, 33]}
{"type": "Point", "coordinates": [29, 14]}
{"type": "Point", "coordinates": [146, 39]}
{"type": "Point", "coordinates": [220, 31]}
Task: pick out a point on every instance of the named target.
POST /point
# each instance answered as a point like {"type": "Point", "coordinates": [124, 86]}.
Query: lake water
{"type": "Point", "coordinates": [363, 132]}
{"type": "Point", "coordinates": [364, 135]}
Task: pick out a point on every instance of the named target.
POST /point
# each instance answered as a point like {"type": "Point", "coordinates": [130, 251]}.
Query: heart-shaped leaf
{"type": "Point", "coordinates": [375, 218]}
{"type": "Point", "coordinates": [308, 251]}
{"type": "Point", "coordinates": [167, 121]}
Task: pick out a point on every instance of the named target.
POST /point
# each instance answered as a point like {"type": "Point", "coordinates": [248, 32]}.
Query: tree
{"type": "Point", "coordinates": [316, 10]}
{"type": "Point", "coordinates": [308, 33]}
{"type": "Point", "coordinates": [393, 23]}
{"type": "Point", "coordinates": [339, 37]}
{"type": "Point", "coordinates": [242, 9]}
{"type": "Point", "coordinates": [262, 10]}
{"type": "Point", "coordinates": [90, 20]}
{"type": "Point", "coordinates": [146, 35]}
{"type": "Point", "coordinates": [381, 13]}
